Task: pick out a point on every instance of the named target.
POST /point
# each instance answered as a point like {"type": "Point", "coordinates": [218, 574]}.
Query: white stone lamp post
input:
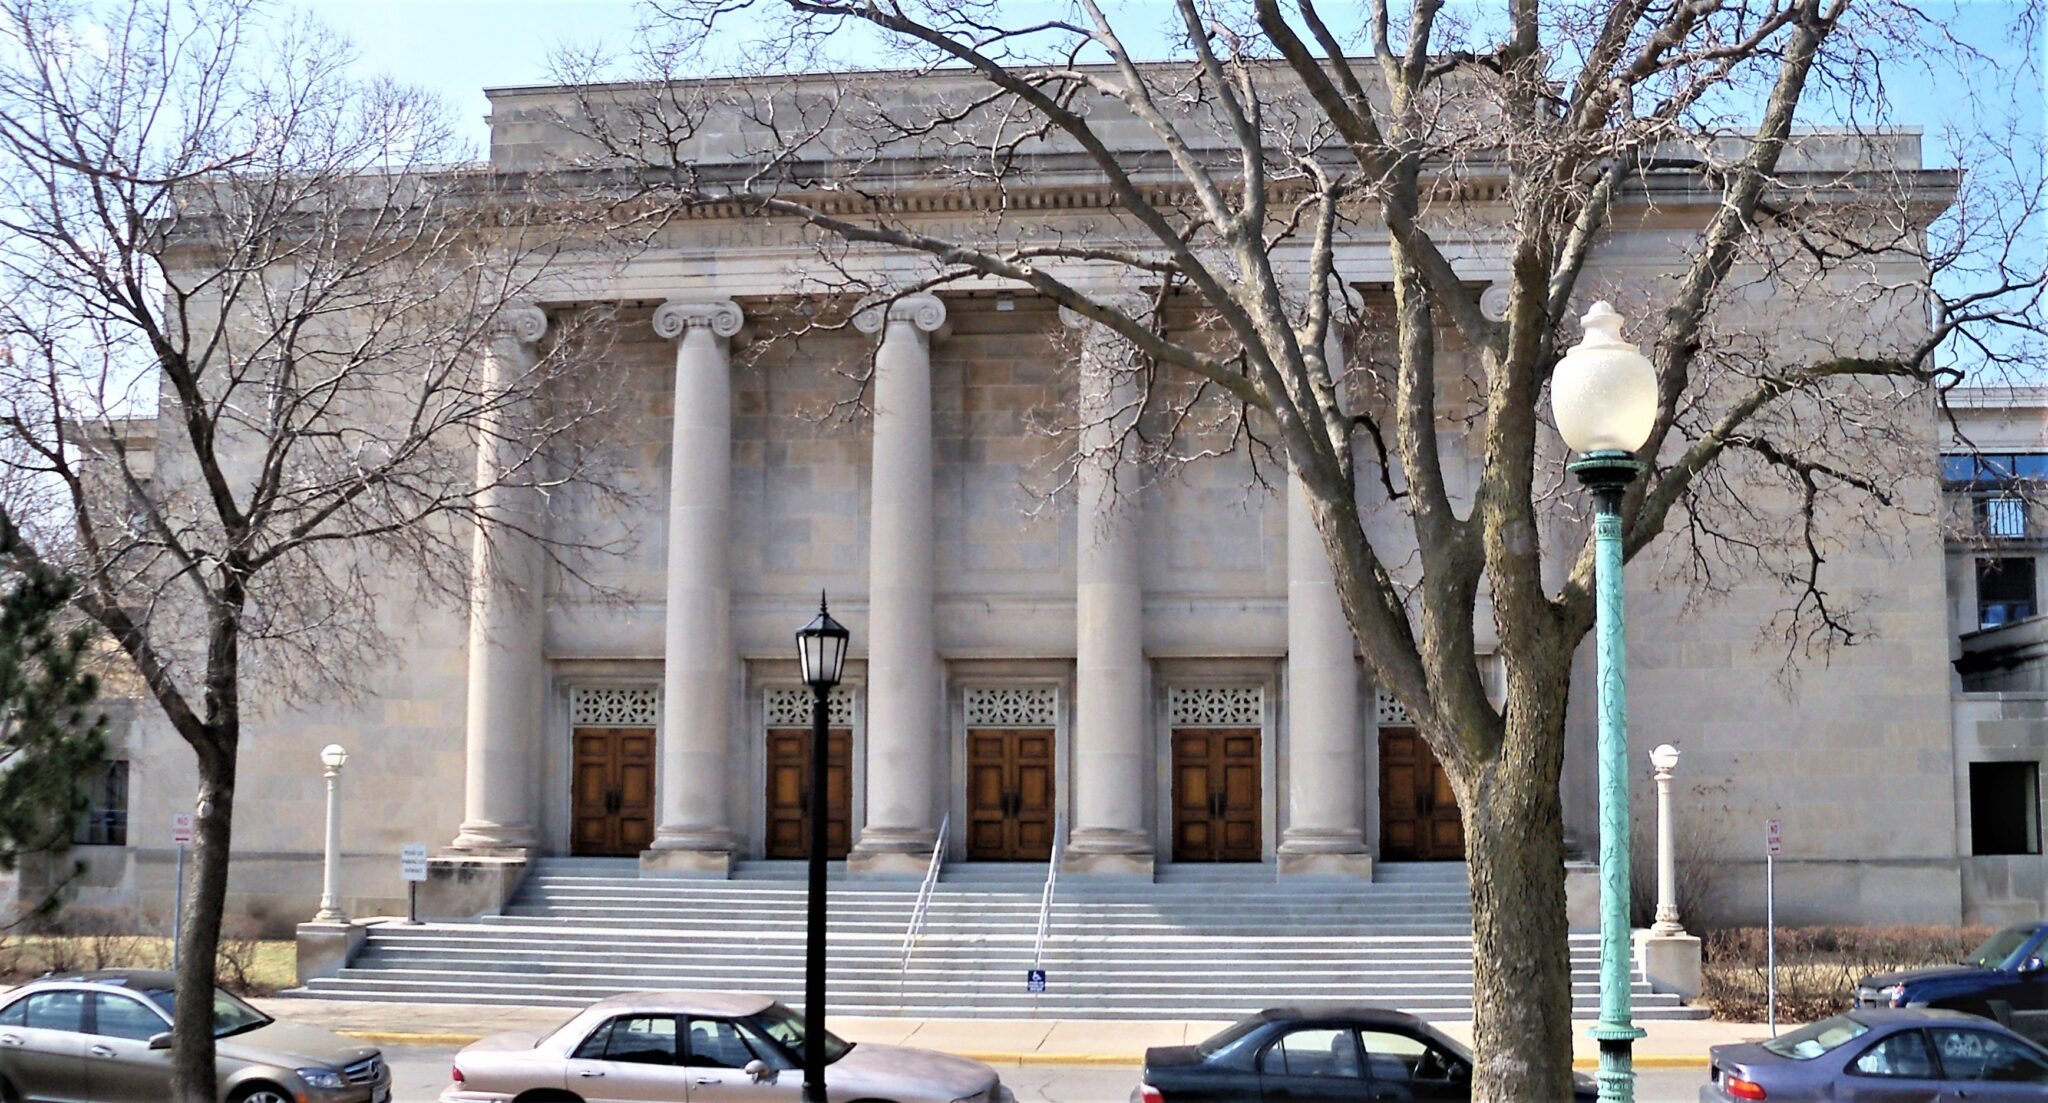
{"type": "Point", "coordinates": [333, 757]}
{"type": "Point", "coordinates": [1664, 760]}
{"type": "Point", "coordinates": [1671, 958]}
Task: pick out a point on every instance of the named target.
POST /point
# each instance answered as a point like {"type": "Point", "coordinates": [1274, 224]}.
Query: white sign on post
{"type": "Point", "coordinates": [181, 829]}
{"type": "Point", "coordinates": [412, 861]}
{"type": "Point", "coordinates": [1774, 837]}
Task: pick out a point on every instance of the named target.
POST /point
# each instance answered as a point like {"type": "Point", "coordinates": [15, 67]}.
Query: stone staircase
{"type": "Point", "coordinates": [1207, 942]}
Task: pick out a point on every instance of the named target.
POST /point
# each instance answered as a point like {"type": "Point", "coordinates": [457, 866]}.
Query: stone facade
{"type": "Point", "coordinates": [936, 502]}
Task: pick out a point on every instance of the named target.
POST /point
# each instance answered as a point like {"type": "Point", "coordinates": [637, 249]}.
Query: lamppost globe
{"type": "Point", "coordinates": [1665, 757]}
{"type": "Point", "coordinates": [1603, 394]}
{"type": "Point", "coordinates": [333, 756]}
{"type": "Point", "coordinates": [821, 649]}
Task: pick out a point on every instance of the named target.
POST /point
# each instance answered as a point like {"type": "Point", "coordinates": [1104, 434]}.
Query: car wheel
{"type": "Point", "coordinates": [262, 1093]}
{"type": "Point", "coordinates": [7, 1092]}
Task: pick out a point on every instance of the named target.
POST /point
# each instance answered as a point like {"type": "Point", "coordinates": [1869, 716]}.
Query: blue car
{"type": "Point", "coordinates": [2004, 979]}
{"type": "Point", "coordinates": [1884, 1055]}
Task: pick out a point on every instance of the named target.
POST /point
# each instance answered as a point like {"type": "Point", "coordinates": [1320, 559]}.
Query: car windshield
{"type": "Point", "coordinates": [230, 1015]}
{"type": "Point", "coordinates": [785, 1026]}
{"type": "Point", "coordinates": [1809, 1042]}
{"type": "Point", "coordinates": [1999, 948]}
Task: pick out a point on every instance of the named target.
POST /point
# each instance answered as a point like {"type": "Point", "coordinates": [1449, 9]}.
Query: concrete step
{"type": "Point", "coordinates": [1202, 941]}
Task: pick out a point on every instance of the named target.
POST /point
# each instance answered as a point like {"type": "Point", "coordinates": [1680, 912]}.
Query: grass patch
{"type": "Point", "coordinates": [245, 966]}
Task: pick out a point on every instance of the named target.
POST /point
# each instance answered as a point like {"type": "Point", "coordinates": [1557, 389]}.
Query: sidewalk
{"type": "Point", "coordinates": [1110, 1042]}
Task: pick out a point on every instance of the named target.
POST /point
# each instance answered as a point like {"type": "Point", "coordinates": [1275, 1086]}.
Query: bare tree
{"type": "Point", "coordinates": [209, 228]}
{"type": "Point", "coordinates": [1255, 159]}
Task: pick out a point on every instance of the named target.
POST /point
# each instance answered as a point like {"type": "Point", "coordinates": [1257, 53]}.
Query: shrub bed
{"type": "Point", "coordinates": [1818, 967]}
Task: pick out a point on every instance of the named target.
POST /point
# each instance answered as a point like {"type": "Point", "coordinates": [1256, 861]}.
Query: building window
{"type": "Point", "coordinates": [1993, 470]}
{"type": "Point", "coordinates": [106, 824]}
{"type": "Point", "coordinates": [2005, 591]}
{"type": "Point", "coordinates": [2005, 808]}
{"type": "Point", "coordinates": [2002, 517]}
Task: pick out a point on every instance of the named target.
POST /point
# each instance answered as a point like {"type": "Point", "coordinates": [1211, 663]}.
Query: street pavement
{"type": "Point", "coordinates": [420, 1072]}
{"type": "Point", "coordinates": [1006, 1043]}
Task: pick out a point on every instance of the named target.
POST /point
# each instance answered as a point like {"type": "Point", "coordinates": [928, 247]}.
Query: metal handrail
{"type": "Point", "coordinates": [1052, 875]}
{"type": "Point", "coordinates": [924, 896]}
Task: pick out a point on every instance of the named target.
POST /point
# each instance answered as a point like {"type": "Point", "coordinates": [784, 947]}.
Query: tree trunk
{"type": "Point", "coordinates": [192, 1068]}
{"type": "Point", "coordinates": [1521, 955]}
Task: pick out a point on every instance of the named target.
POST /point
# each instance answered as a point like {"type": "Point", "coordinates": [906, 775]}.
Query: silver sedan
{"type": "Point", "coordinates": [704, 1047]}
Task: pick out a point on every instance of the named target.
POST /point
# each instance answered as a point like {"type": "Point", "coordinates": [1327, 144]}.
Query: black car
{"type": "Point", "coordinates": [1883, 1055]}
{"type": "Point", "coordinates": [2003, 979]}
{"type": "Point", "coordinates": [1316, 1052]}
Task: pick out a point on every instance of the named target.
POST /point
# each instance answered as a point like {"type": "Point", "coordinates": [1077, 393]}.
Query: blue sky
{"type": "Point", "coordinates": [460, 47]}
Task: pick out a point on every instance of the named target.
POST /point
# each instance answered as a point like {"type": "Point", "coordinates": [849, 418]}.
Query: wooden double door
{"type": "Point", "coordinates": [1216, 803]}
{"type": "Point", "coordinates": [612, 791]}
{"type": "Point", "coordinates": [1419, 818]}
{"type": "Point", "coordinates": [789, 792]}
{"type": "Point", "coordinates": [1009, 794]}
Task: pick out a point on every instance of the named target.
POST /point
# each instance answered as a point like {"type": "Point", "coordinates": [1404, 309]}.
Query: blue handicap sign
{"type": "Point", "coordinates": [1034, 980]}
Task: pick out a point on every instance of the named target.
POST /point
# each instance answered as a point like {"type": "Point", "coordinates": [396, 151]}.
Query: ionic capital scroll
{"type": "Point", "coordinates": [677, 316]}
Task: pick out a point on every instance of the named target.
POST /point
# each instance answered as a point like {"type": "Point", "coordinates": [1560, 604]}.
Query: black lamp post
{"type": "Point", "coordinates": [821, 650]}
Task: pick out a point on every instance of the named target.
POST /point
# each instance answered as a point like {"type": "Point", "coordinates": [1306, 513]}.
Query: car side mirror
{"type": "Point", "coordinates": [759, 1071]}
{"type": "Point", "coordinates": [160, 1041]}
{"type": "Point", "coordinates": [2030, 966]}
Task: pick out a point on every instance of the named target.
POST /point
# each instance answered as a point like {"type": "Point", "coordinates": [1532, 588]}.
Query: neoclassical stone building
{"type": "Point", "coordinates": [1152, 671]}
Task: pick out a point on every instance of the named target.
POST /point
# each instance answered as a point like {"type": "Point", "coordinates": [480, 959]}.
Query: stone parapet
{"type": "Point", "coordinates": [469, 885]}
{"type": "Point", "coordinates": [324, 949]}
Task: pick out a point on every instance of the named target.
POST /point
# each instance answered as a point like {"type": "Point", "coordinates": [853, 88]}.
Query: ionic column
{"type": "Point", "coordinates": [694, 833]}
{"type": "Point", "coordinates": [1325, 790]}
{"type": "Point", "coordinates": [1111, 749]}
{"type": "Point", "coordinates": [903, 673]}
{"type": "Point", "coordinates": [507, 682]}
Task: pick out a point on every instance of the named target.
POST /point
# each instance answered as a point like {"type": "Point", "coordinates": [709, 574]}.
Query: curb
{"type": "Point", "coordinates": [409, 1038]}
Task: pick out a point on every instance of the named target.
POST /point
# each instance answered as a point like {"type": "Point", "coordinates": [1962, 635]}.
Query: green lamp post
{"type": "Point", "coordinates": [1604, 399]}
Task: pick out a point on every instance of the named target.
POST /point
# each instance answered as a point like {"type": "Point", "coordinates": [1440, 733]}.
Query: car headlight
{"type": "Point", "coordinates": [323, 1079]}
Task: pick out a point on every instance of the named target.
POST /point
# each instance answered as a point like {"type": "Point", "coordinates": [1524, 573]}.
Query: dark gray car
{"type": "Point", "coordinates": [104, 1037]}
{"type": "Point", "coordinates": [1884, 1055]}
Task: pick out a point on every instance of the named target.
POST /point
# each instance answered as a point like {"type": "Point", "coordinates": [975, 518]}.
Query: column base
{"type": "Point", "coordinates": [1109, 851]}
{"type": "Point", "coordinates": [1355, 866]}
{"type": "Point", "coordinates": [1084, 863]}
{"type": "Point", "coordinates": [891, 852]}
{"type": "Point", "coordinates": [1327, 852]}
{"type": "Point", "coordinates": [681, 862]}
{"type": "Point", "coordinates": [498, 839]}
{"type": "Point", "coordinates": [1671, 963]}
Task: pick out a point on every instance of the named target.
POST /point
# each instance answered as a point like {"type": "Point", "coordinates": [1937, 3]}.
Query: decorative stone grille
{"type": "Point", "coordinates": [1389, 710]}
{"type": "Point", "coordinates": [787, 707]}
{"type": "Point", "coordinates": [1215, 706]}
{"type": "Point", "coordinates": [595, 707]}
{"type": "Point", "coordinates": [1012, 707]}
